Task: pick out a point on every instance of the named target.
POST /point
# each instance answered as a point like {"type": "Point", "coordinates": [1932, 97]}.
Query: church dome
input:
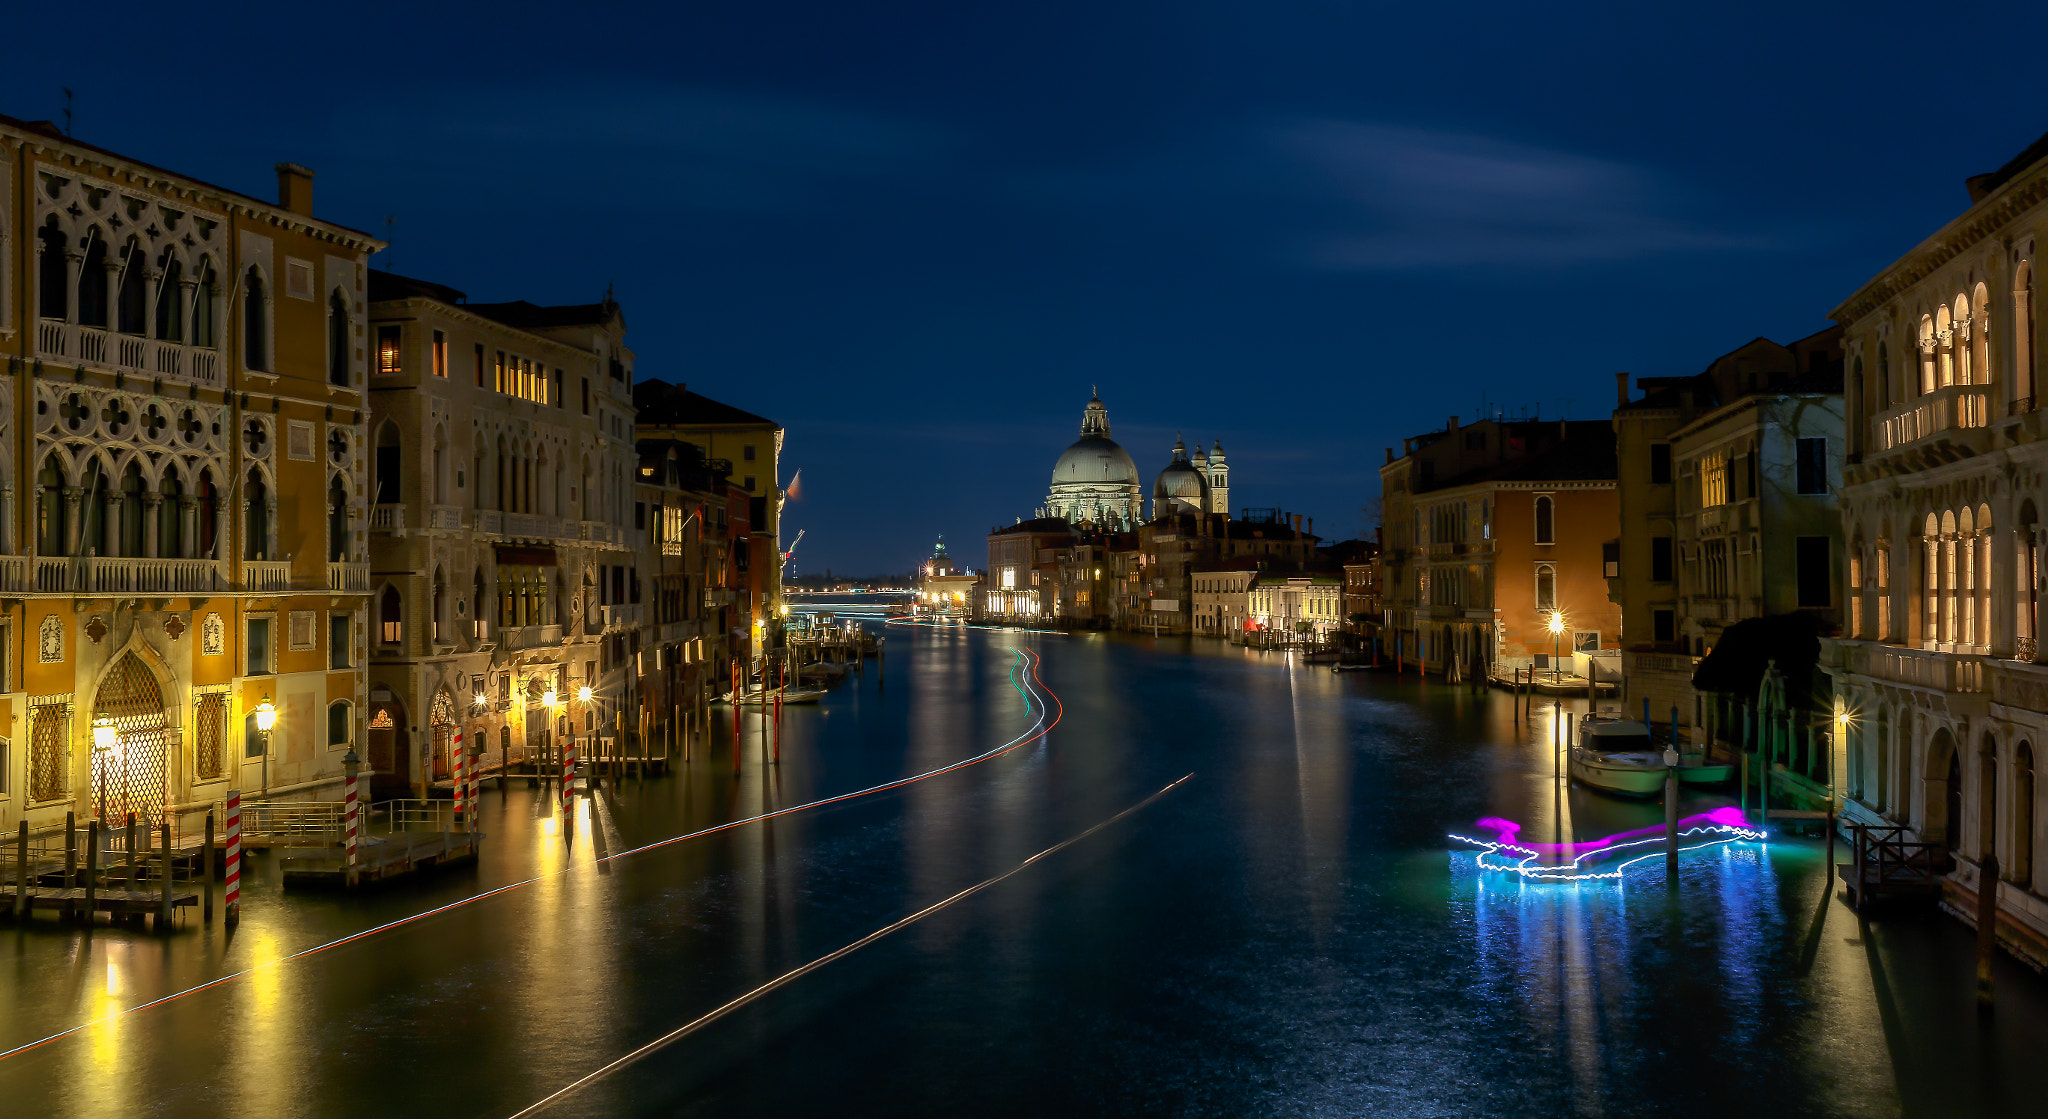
{"type": "Point", "coordinates": [1180, 487]}
{"type": "Point", "coordinates": [1098, 460]}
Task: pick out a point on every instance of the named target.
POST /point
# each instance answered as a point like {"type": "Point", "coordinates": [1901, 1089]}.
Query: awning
{"type": "Point", "coordinates": [524, 556]}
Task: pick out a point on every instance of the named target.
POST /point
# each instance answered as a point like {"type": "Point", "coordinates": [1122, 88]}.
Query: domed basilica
{"type": "Point", "coordinates": [1095, 481]}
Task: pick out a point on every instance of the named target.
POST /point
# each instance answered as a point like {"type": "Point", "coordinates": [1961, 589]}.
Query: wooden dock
{"type": "Point", "coordinates": [110, 901]}
{"type": "Point", "coordinates": [379, 858]}
{"type": "Point", "coordinates": [1885, 866]}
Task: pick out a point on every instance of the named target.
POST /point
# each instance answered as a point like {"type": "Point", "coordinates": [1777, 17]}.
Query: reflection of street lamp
{"type": "Point", "coordinates": [1556, 633]}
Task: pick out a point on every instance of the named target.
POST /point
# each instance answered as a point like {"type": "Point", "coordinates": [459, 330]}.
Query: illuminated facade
{"type": "Point", "coordinates": [501, 516]}
{"type": "Point", "coordinates": [1095, 482]}
{"type": "Point", "coordinates": [182, 427]}
{"type": "Point", "coordinates": [1944, 696]}
{"type": "Point", "coordinates": [946, 590]}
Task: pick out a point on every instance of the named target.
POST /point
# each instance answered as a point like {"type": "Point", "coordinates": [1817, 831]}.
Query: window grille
{"type": "Point", "coordinates": [210, 718]}
{"type": "Point", "coordinates": [46, 769]}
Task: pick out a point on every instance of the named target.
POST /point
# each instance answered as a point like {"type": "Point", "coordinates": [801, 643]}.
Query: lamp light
{"type": "Point", "coordinates": [266, 715]}
{"type": "Point", "coordinates": [103, 733]}
{"type": "Point", "coordinates": [583, 693]}
{"type": "Point", "coordinates": [551, 699]}
{"type": "Point", "coordinates": [1557, 621]}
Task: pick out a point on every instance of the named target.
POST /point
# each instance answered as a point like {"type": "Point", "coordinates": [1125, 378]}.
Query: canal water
{"type": "Point", "coordinates": [1289, 931]}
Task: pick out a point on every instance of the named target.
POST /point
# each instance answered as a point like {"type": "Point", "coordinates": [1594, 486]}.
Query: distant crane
{"type": "Point", "coordinates": [792, 547]}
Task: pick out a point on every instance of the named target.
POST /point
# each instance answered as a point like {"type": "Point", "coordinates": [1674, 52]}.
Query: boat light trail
{"type": "Point", "coordinates": [840, 953]}
{"type": "Point", "coordinates": [1724, 825]}
{"type": "Point", "coordinates": [1027, 687]}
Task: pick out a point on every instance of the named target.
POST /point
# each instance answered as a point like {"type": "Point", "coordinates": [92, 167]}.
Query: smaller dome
{"type": "Point", "coordinates": [1180, 487]}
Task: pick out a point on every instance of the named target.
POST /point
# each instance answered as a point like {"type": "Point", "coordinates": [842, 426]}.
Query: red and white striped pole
{"type": "Point", "coordinates": [476, 784]}
{"type": "Point", "coordinates": [461, 782]}
{"type": "Point", "coordinates": [568, 769]}
{"type": "Point", "coordinates": [233, 896]}
{"type": "Point", "coordinates": [349, 766]}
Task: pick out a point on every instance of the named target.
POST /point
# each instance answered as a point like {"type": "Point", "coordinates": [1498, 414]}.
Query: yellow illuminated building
{"type": "Point", "coordinates": [182, 429]}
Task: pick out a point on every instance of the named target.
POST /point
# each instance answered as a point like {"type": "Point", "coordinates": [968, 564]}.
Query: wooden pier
{"type": "Point", "coordinates": [118, 903]}
{"type": "Point", "coordinates": [1884, 865]}
{"type": "Point", "coordinates": [380, 857]}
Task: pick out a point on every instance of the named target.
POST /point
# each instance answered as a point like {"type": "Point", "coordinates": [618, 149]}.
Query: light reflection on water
{"type": "Point", "coordinates": [1285, 934]}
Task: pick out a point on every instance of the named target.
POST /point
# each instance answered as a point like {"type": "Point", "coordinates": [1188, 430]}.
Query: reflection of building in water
{"type": "Point", "coordinates": [947, 590]}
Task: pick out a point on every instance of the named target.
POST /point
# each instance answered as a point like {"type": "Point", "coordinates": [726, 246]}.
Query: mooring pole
{"type": "Point", "coordinates": [92, 870]}
{"type": "Point", "coordinates": [70, 859]}
{"type": "Point", "coordinates": [1987, 925]}
{"type": "Point", "coordinates": [163, 905]}
{"type": "Point", "coordinates": [206, 856]}
{"type": "Point", "coordinates": [1671, 812]}
{"type": "Point", "coordinates": [129, 873]}
{"type": "Point", "coordinates": [21, 872]}
{"type": "Point", "coordinates": [231, 883]}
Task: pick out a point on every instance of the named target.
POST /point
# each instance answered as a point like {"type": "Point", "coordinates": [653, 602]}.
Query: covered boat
{"type": "Point", "coordinates": [1615, 756]}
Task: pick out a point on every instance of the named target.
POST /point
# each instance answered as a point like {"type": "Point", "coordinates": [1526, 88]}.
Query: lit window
{"type": "Point", "coordinates": [387, 351]}
{"type": "Point", "coordinates": [440, 357]}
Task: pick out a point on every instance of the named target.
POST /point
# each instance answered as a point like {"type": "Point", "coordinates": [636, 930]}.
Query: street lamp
{"type": "Point", "coordinates": [266, 720]}
{"type": "Point", "coordinates": [1556, 634]}
{"type": "Point", "coordinates": [104, 739]}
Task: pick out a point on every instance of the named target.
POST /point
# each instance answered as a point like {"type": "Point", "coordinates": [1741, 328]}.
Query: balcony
{"type": "Point", "coordinates": [626, 615]}
{"type": "Point", "coordinates": [124, 575]}
{"type": "Point", "coordinates": [388, 518]}
{"type": "Point", "coordinates": [444, 518]}
{"type": "Point", "coordinates": [266, 576]}
{"type": "Point", "coordinates": [129, 353]}
{"type": "Point", "coordinates": [1953, 408]}
{"type": "Point", "coordinates": [600, 532]}
{"type": "Point", "coordinates": [348, 578]}
{"type": "Point", "coordinates": [1949, 673]}
{"type": "Point", "coordinates": [490, 522]}
{"type": "Point", "coordinates": [529, 637]}
{"type": "Point", "coordinates": [532, 526]}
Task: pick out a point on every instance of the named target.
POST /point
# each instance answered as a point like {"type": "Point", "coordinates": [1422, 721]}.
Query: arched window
{"type": "Point", "coordinates": [205, 307]}
{"type": "Point", "coordinates": [170, 302]}
{"type": "Point", "coordinates": [92, 281]}
{"type": "Point", "coordinates": [1883, 562]}
{"type": "Point", "coordinates": [440, 603]}
{"type": "Point", "coordinates": [2027, 568]}
{"type": "Point", "coordinates": [341, 724]}
{"type": "Point", "coordinates": [132, 489]}
{"type": "Point", "coordinates": [132, 308]}
{"type": "Point", "coordinates": [476, 605]}
{"type": "Point", "coordinates": [1927, 347]}
{"type": "Point", "coordinates": [255, 322]}
{"type": "Point", "coordinates": [1884, 377]}
{"type": "Point", "coordinates": [2023, 816]}
{"type": "Point", "coordinates": [1980, 340]}
{"type": "Point", "coordinates": [390, 463]}
{"type": "Point", "coordinates": [390, 618]}
{"type": "Point", "coordinates": [52, 512]}
{"type": "Point", "coordinates": [1546, 530]}
{"type": "Point", "coordinates": [53, 273]}
{"type": "Point", "coordinates": [337, 521]}
{"type": "Point", "coordinates": [96, 535]}
{"type": "Point", "coordinates": [1945, 559]}
{"type": "Point", "coordinates": [1546, 587]}
{"type": "Point", "coordinates": [1980, 578]}
{"type": "Point", "coordinates": [2022, 337]}
{"type": "Point", "coordinates": [1944, 347]}
{"type": "Point", "coordinates": [1856, 589]}
{"type": "Point", "coordinates": [338, 347]}
{"type": "Point", "coordinates": [209, 516]}
{"type": "Point", "coordinates": [503, 506]}
{"type": "Point", "coordinates": [170, 516]}
{"type": "Point", "coordinates": [440, 466]}
{"type": "Point", "coordinates": [256, 524]}
{"type": "Point", "coordinates": [1965, 576]}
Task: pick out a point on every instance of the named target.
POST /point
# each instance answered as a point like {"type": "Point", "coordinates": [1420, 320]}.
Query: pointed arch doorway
{"type": "Point", "coordinates": [390, 749]}
{"type": "Point", "coordinates": [133, 773]}
{"type": "Point", "coordinates": [442, 720]}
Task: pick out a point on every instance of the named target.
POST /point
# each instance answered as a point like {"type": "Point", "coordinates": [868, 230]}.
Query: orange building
{"type": "Point", "coordinates": [182, 426]}
{"type": "Point", "coordinates": [1490, 529]}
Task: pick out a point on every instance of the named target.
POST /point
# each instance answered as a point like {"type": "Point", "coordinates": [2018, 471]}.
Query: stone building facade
{"type": "Point", "coordinates": [502, 505]}
{"type": "Point", "coordinates": [1944, 704]}
{"type": "Point", "coordinates": [185, 367]}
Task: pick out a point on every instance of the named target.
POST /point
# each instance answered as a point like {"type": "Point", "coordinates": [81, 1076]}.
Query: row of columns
{"type": "Point", "coordinates": [188, 509]}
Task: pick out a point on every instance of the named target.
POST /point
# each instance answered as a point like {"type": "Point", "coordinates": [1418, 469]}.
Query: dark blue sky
{"type": "Point", "coordinates": [916, 234]}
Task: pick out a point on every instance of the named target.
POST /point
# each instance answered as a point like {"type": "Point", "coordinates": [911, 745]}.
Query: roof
{"type": "Point", "coordinates": [531, 316]}
{"type": "Point", "coordinates": [1586, 453]}
{"type": "Point", "coordinates": [1040, 524]}
{"type": "Point", "coordinates": [390, 285]}
{"type": "Point", "coordinates": [50, 129]}
{"type": "Point", "coordinates": [660, 402]}
{"type": "Point", "coordinates": [1981, 186]}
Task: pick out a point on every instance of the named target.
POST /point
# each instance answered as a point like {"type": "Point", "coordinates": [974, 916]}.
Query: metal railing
{"type": "Point", "coordinates": [293, 823]}
{"type": "Point", "coordinates": [414, 815]}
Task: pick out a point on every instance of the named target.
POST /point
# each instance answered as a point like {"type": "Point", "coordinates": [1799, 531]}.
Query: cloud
{"type": "Point", "coordinates": [1392, 199]}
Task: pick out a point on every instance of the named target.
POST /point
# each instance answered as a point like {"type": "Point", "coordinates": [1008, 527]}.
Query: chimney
{"type": "Point", "coordinates": [1297, 523]}
{"type": "Point", "coordinates": [295, 188]}
{"type": "Point", "coordinates": [1451, 424]}
{"type": "Point", "coordinates": [1390, 456]}
{"type": "Point", "coordinates": [1621, 390]}
{"type": "Point", "coordinates": [1311, 526]}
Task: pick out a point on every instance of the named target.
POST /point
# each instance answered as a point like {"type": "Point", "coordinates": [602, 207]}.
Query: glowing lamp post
{"type": "Point", "coordinates": [104, 739]}
{"type": "Point", "coordinates": [1556, 634]}
{"type": "Point", "coordinates": [266, 721]}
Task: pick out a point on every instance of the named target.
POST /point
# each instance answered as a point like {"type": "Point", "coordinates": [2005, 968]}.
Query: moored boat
{"type": "Point", "coordinates": [1614, 756]}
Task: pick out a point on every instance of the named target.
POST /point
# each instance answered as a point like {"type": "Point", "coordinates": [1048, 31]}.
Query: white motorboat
{"type": "Point", "coordinates": [1614, 756]}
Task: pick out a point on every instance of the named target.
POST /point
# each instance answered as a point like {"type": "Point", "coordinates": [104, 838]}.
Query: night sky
{"type": "Point", "coordinates": [916, 234]}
